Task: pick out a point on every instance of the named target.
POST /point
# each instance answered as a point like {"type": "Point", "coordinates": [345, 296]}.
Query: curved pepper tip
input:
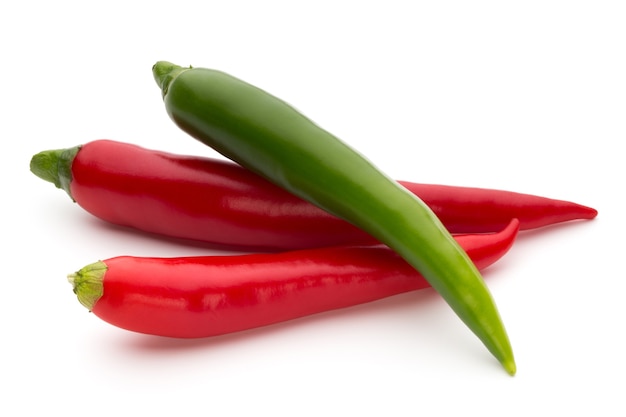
{"type": "Point", "coordinates": [591, 212]}
{"type": "Point", "coordinates": [510, 367]}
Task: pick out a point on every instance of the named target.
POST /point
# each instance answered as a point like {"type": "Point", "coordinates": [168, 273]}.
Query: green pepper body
{"type": "Point", "coordinates": [271, 138]}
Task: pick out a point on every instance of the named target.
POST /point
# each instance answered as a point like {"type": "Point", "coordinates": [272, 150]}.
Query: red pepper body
{"type": "Point", "coordinates": [198, 198]}
{"type": "Point", "coordinates": [196, 297]}
{"type": "Point", "coordinates": [222, 203]}
{"type": "Point", "coordinates": [481, 210]}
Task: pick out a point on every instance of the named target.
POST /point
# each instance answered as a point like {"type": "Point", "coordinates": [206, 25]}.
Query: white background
{"type": "Point", "coordinates": [525, 96]}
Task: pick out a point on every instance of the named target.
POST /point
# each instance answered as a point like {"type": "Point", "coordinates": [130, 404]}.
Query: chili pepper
{"type": "Point", "coordinates": [274, 140]}
{"type": "Point", "coordinates": [193, 297]}
{"type": "Point", "coordinates": [220, 202]}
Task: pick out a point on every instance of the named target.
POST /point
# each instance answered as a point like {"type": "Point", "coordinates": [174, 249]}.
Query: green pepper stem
{"type": "Point", "coordinates": [87, 283]}
{"type": "Point", "coordinates": [55, 166]}
{"type": "Point", "coordinates": [164, 72]}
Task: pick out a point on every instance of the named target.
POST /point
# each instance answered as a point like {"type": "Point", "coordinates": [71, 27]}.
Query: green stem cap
{"type": "Point", "coordinates": [55, 166]}
{"type": "Point", "coordinates": [164, 72]}
{"type": "Point", "coordinates": [87, 283]}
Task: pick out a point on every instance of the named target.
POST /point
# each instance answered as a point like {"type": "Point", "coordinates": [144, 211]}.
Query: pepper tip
{"type": "Point", "coordinates": [510, 367]}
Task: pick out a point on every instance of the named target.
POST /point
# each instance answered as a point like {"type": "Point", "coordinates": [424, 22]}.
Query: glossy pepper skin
{"type": "Point", "coordinates": [195, 297]}
{"type": "Point", "coordinates": [274, 140]}
{"type": "Point", "coordinates": [220, 202]}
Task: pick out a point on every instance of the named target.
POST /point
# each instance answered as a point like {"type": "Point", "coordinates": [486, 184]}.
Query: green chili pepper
{"type": "Point", "coordinates": [271, 138]}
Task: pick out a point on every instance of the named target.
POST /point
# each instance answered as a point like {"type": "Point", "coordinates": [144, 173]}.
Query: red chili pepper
{"type": "Point", "coordinates": [193, 297]}
{"type": "Point", "coordinates": [220, 202]}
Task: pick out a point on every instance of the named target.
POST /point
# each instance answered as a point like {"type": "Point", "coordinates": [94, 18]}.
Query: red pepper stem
{"type": "Point", "coordinates": [55, 166]}
{"type": "Point", "coordinates": [87, 283]}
